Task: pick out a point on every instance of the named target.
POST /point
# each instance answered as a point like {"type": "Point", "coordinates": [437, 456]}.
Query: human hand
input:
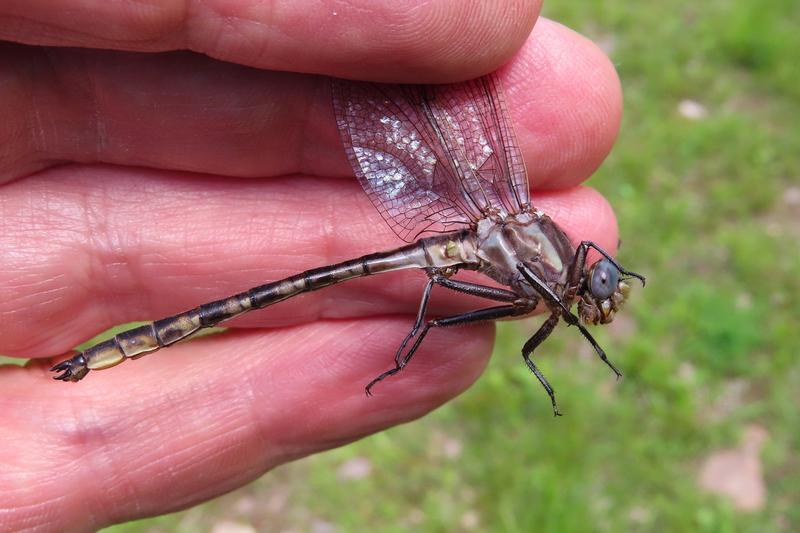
{"type": "Point", "coordinates": [142, 235]}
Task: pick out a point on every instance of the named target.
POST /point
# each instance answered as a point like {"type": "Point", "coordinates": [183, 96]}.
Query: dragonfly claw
{"type": "Point", "coordinates": [71, 370]}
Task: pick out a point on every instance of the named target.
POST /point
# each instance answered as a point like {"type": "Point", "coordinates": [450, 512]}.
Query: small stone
{"type": "Point", "coordinates": [321, 526]}
{"type": "Point", "coordinates": [470, 520]}
{"type": "Point", "coordinates": [687, 372]}
{"type": "Point", "coordinates": [736, 474]}
{"type": "Point", "coordinates": [452, 448]}
{"type": "Point", "coordinates": [640, 515]}
{"type": "Point", "coordinates": [228, 526]}
{"type": "Point", "coordinates": [245, 505]}
{"type": "Point", "coordinates": [355, 468]}
{"type": "Point", "coordinates": [791, 196]}
{"type": "Point", "coordinates": [692, 110]}
{"type": "Point", "coordinates": [744, 301]}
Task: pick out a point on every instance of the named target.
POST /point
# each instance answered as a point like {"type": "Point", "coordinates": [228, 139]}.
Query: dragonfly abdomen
{"type": "Point", "coordinates": [141, 340]}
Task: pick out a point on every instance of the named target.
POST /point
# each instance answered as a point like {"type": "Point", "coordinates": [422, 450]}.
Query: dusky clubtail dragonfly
{"type": "Point", "coordinates": [443, 160]}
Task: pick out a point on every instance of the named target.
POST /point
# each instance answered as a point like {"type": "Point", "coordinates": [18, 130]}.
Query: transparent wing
{"type": "Point", "coordinates": [431, 157]}
{"type": "Point", "coordinates": [478, 128]}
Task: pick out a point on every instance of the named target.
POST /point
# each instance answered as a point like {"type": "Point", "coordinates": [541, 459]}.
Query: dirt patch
{"type": "Point", "coordinates": [736, 474]}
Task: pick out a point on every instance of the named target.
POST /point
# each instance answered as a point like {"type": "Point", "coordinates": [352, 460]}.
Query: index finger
{"type": "Point", "coordinates": [383, 40]}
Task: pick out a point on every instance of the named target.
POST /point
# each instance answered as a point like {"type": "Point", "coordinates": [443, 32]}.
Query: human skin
{"type": "Point", "coordinates": [139, 185]}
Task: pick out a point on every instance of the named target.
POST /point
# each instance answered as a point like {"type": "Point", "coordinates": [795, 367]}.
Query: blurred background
{"type": "Point", "coordinates": [703, 432]}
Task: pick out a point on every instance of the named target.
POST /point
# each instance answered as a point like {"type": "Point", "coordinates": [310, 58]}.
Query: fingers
{"type": "Point", "coordinates": [186, 112]}
{"type": "Point", "coordinates": [214, 414]}
{"type": "Point", "coordinates": [87, 248]}
{"type": "Point", "coordinates": [566, 105]}
{"type": "Point", "coordinates": [388, 40]}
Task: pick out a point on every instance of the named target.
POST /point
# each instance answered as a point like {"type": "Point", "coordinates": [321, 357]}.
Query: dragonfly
{"type": "Point", "coordinates": [443, 167]}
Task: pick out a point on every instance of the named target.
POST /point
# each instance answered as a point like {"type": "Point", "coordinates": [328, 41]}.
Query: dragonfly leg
{"type": "Point", "coordinates": [423, 306]}
{"type": "Point", "coordinates": [490, 313]}
{"type": "Point", "coordinates": [599, 351]}
{"type": "Point", "coordinates": [554, 301]}
{"type": "Point", "coordinates": [527, 350]}
{"type": "Point", "coordinates": [550, 297]}
{"type": "Point", "coordinates": [474, 289]}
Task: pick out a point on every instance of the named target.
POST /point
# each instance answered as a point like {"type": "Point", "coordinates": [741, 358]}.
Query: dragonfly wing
{"type": "Point", "coordinates": [474, 120]}
{"type": "Point", "coordinates": [431, 157]}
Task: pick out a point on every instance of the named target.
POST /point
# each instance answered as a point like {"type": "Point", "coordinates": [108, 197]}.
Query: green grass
{"type": "Point", "coordinates": [702, 213]}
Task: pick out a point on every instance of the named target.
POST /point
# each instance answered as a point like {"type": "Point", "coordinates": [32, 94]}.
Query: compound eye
{"type": "Point", "coordinates": [603, 279]}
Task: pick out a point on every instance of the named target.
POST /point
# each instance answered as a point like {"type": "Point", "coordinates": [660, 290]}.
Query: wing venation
{"type": "Point", "coordinates": [432, 157]}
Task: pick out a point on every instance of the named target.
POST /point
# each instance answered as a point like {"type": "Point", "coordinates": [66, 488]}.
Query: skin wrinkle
{"type": "Point", "coordinates": [228, 28]}
{"type": "Point", "coordinates": [38, 509]}
{"type": "Point", "coordinates": [323, 368]}
{"type": "Point", "coordinates": [36, 131]}
{"type": "Point", "coordinates": [228, 19]}
{"type": "Point", "coordinates": [254, 408]}
{"type": "Point", "coordinates": [424, 26]}
{"type": "Point", "coordinates": [98, 460]}
{"type": "Point", "coordinates": [131, 254]}
{"type": "Point", "coordinates": [329, 225]}
{"type": "Point", "coordinates": [101, 138]}
{"type": "Point", "coordinates": [302, 156]}
{"type": "Point", "coordinates": [84, 465]}
{"type": "Point", "coordinates": [124, 478]}
{"type": "Point", "coordinates": [174, 464]}
{"type": "Point", "coordinates": [31, 281]}
{"type": "Point", "coordinates": [223, 484]}
{"type": "Point", "coordinates": [188, 452]}
{"type": "Point", "coordinates": [39, 302]}
{"type": "Point", "coordinates": [342, 7]}
{"type": "Point", "coordinates": [33, 290]}
{"type": "Point", "coordinates": [418, 20]}
{"type": "Point", "coordinates": [13, 24]}
{"type": "Point", "coordinates": [100, 288]}
{"type": "Point", "coordinates": [190, 24]}
{"type": "Point", "coordinates": [312, 107]}
{"type": "Point", "coordinates": [117, 480]}
{"type": "Point", "coordinates": [415, 24]}
{"type": "Point", "coordinates": [263, 54]}
{"type": "Point", "coordinates": [170, 26]}
{"type": "Point", "coordinates": [143, 36]}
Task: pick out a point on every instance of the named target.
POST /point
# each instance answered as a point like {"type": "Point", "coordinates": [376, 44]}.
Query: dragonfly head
{"type": "Point", "coordinates": [603, 294]}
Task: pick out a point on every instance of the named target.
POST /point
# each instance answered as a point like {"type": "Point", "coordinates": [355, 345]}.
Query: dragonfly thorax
{"type": "Point", "coordinates": [527, 237]}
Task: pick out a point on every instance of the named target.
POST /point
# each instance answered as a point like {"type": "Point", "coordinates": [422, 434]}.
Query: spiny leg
{"type": "Point", "coordinates": [554, 301]}
{"type": "Point", "coordinates": [598, 350]}
{"type": "Point", "coordinates": [480, 315]}
{"type": "Point", "coordinates": [474, 289]}
{"type": "Point", "coordinates": [423, 306]}
{"type": "Point", "coordinates": [527, 350]}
